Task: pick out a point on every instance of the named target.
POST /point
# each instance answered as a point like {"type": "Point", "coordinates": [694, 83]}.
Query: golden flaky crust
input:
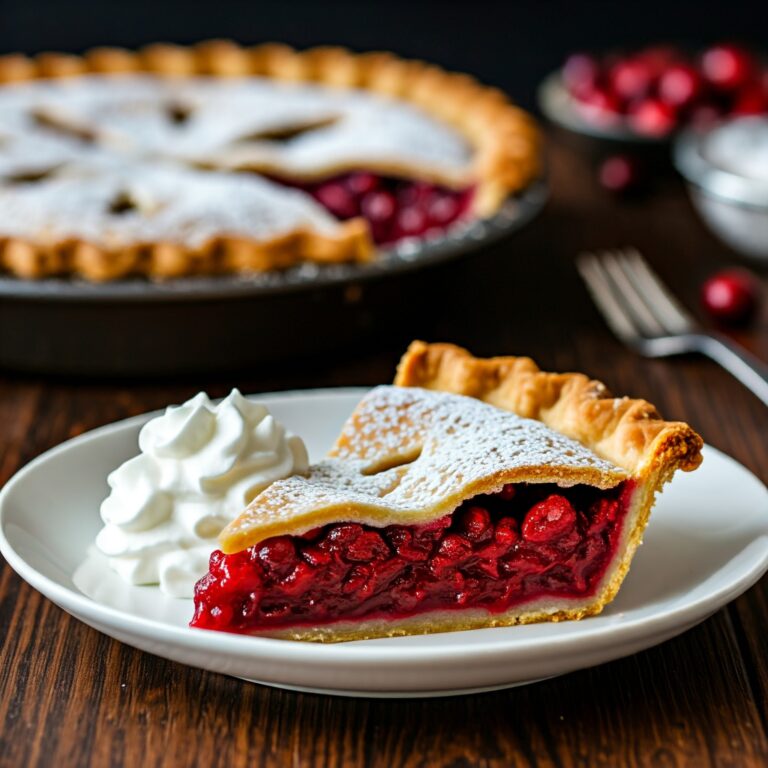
{"type": "Point", "coordinates": [628, 433]}
{"type": "Point", "coordinates": [505, 140]}
{"type": "Point", "coordinates": [163, 260]}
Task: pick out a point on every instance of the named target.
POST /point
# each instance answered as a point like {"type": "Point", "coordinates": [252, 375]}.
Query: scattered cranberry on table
{"type": "Point", "coordinates": [656, 90]}
{"type": "Point", "coordinates": [620, 174]}
{"type": "Point", "coordinates": [731, 296]}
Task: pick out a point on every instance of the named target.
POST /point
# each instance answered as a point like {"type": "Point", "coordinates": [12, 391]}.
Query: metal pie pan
{"type": "Point", "coordinates": [407, 255]}
{"type": "Point", "coordinates": [143, 327]}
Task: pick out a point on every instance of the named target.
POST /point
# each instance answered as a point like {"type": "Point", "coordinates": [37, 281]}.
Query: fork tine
{"type": "Point", "coordinates": [634, 301]}
{"type": "Point", "coordinates": [599, 287]}
{"type": "Point", "coordinates": [667, 308]}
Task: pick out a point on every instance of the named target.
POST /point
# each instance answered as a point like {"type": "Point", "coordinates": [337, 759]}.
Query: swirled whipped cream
{"type": "Point", "coordinates": [200, 465]}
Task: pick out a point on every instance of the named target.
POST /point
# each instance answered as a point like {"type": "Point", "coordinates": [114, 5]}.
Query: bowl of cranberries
{"type": "Point", "coordinates": [647, 95]}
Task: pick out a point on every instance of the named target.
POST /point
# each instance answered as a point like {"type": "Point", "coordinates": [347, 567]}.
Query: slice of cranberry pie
{"type": "Point", "coordinates": [476, 493]}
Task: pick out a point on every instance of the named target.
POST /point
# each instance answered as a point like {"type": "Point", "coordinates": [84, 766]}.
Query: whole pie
{"type": "Point", "coordinates": [220, 158]}
{"type": "Point", "coordinates": [473, 493]}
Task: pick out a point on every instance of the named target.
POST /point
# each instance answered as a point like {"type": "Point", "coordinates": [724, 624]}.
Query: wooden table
{"type": "Point", "coordinates": [70, 696]}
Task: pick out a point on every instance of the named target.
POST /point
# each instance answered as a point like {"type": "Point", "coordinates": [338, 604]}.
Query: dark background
{"type": "Point", "coordinates": [510, 44]}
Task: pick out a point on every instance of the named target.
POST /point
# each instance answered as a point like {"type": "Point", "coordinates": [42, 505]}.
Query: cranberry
{"type": "Point", "coordinates": [604, 513]}
{"type": "Point", "coordinates": [411, 222]}
{"type": "Point", "coordinates": [238, 573]}
{"type": "Point", "coordinates": [631, 79]}
{"type": "Point", "coordinates": [337, 199]}
{"type": "Point", "coordinates": [415, 193]}
{"type": "Point", "coordinates": [727, 66]}
{"type": "Point", "coordinates": [361, 183]}
{"type": "Point", "coordinates": [601, 107]}
{"type": "Point", "coordinates": [580, 73]}
{"type": "Point", "coordinates": [443, 209]}
{"type": "Point", "coordinates": [216, 560]}
{"type": "Point", "coordinates": [298, 579]}
{"type": "Point", "coordinates": [315, 556]}
{"type": "Point", "coordinates": [680, 85]}
{"type": "Point", "coordinates": [378, 206]}
{"type": "Point", "coordinates": [652, 117]}
{"type": "Point", "coordinates": [508, 492]}
{"type": "Point", "coordinates": [368, 546]}
{"type": "Point", "coordinates": [342, 536]}
{"type": "Point", "coordinates": [549, 520]}
{"type": "Point", "coordinates": [277, 553]}
{"type": "Point", "coordinates": [475, 523]}
{"type": "Point", "coordinates": [506, 532]}
{"type": "Point", "coordinates": [731, 296]}
{"type": "Point", "coordinates": [408, 546]}
{"type": "Point", "coordinates": [357, 580]}
{"type": "Point", "coordinates": [455, 548]}
{"type": "Point", "coordinates": [659, 58]}
{"type": "Point", "coordinates": [750, 100]}
{"type": "Point", "coordinates": [620, 174]}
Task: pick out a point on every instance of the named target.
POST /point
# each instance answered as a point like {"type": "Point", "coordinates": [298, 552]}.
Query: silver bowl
{"type": "Point", "coordinates": [733, 204]}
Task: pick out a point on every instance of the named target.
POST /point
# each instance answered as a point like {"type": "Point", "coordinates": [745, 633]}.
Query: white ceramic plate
{"type": "Point", "coordinates": [707, 542]}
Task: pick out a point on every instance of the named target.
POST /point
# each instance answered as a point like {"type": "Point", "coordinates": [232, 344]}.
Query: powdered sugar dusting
{"type": "Point", "coordinates": [166, 203]}
{"type": "Point", "coordinates": [108, 130]}
{"type": "Point", "coordinates": [436, 449]}
{"type": "Point", "coordinates": [197, 117]}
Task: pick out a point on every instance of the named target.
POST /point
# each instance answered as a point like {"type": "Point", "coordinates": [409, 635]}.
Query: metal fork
{"type": "Point", "coordinates": [646, 316]}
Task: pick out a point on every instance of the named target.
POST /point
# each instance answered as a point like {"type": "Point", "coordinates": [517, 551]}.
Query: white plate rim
{"type": "Point", "coordinates": [352, 654]}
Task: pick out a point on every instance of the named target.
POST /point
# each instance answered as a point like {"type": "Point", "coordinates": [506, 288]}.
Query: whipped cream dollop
{"type": "Point", "coordinates": [200, 465]}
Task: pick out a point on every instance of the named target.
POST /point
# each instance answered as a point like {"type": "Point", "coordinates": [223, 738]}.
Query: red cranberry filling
{"type": "Point", "coordinates": [527, 542]}
{"type": "Point", "coordinates": [394, 208]}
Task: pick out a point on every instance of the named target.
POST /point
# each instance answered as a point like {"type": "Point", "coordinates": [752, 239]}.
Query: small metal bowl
{"type": "Point", "coordinates": [734, 206]}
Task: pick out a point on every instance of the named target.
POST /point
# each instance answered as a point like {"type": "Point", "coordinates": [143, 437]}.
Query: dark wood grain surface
{"type": "Point", "coordinates": [70, 696]}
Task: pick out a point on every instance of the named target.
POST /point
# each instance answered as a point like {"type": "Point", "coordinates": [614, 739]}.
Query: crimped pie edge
{"type": "Point", "coordinates": [627, 432]}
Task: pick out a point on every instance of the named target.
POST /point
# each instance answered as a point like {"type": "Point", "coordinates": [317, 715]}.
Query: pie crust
{"type": "Point", "coordinates": [503, 139]}
{"type": "Point", "coordinates": [411, 454]}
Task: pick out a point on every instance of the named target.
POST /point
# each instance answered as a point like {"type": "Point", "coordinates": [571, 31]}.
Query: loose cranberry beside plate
{"type": "Point", "coordinates": [731, 296]}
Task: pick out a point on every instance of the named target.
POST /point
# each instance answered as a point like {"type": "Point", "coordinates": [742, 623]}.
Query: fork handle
{"type": "Point", "coordinates": [750, 371]}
